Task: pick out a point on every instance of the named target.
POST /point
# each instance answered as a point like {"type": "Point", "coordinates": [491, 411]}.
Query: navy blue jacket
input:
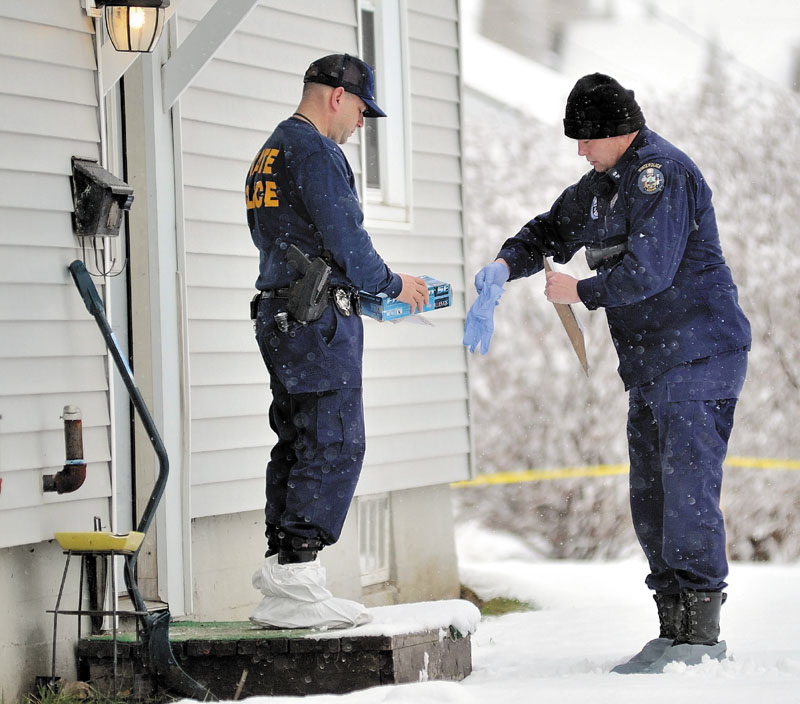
{"type": "Point", "coordinates": [671, 298]}
{"type": "Point", "coordinates": [300, 190]}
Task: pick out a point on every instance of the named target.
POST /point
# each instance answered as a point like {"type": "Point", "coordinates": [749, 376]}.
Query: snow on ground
{"type": "Point", "coordinates": [593, 615]}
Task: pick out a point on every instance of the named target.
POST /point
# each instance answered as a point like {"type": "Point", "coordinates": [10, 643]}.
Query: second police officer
{"type": "Point", "coordinates": [645, 216]}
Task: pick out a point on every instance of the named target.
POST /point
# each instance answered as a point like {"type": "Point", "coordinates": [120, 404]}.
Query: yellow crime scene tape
{"type": "Point", "coordinates": [605, 470]}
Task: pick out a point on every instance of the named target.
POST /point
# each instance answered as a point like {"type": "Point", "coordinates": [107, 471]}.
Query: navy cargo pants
{"type": "Point", "coordinates": [678, 430]}
{"type": "Point", "coordinates": [318, 417]}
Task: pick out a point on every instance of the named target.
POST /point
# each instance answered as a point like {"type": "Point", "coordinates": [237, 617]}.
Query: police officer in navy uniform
{"type": "Point", "coordinates": [645, 218]}
{"type": "Point", "coordinates": [301, 195]}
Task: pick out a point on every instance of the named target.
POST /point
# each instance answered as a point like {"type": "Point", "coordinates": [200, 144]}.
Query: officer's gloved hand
{"type": "Point", "coordinates": [495, 273]}
{"type": "Point", "coordinates": [479, 325]}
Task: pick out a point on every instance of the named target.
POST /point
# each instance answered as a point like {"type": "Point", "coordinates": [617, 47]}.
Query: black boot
{"type": "Point", "coordinates": [273, 541]}
{"type": "Point", "coordinates": [294, 549]}
{"type": "Point", "coordinates": [699, 631]}
{"type": "Point", "coordinates": [670, 613]}
{"type": "Point", "coordinates": [700, 623]}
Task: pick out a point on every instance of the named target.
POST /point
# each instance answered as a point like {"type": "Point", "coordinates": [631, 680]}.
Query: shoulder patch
{"type": "Point", "coordinates": [594, 211]}
{"type": "Point", "coordinates": [650, 165]}
{"type": "Point", "coordinates": [651, 178]}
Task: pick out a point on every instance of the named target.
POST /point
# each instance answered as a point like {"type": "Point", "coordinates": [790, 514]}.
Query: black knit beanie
{"type": "Point", "coordinates": [599, 107]}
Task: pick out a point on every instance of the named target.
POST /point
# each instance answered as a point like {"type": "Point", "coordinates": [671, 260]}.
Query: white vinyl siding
{"type": "Point", "coordinates": [415, 386]}
{"type": "Point", "coordinates": [415, 383]}
{"type": "Point", "coordinates": [51, 353]}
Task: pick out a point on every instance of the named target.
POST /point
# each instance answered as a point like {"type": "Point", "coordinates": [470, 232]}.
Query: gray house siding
{"type": "Point", "coordinates": [50, 355]}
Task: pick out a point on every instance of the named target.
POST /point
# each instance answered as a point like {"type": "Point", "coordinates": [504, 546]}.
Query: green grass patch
{"type": "Point", "coordinates": [83, 693]}
{"type": "Point", "coordinates": [498, 606]}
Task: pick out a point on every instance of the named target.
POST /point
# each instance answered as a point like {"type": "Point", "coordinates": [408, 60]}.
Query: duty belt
{"type": "Point", "coordinates": [345, 298]}
{"type": "Point", "coordinates": [274, 293]}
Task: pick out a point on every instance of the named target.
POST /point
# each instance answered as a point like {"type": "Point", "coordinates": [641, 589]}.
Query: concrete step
{"type": "Point", "coordinates": [237, 659]}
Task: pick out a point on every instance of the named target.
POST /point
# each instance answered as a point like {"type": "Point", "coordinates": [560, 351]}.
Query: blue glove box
{"type": "Point", "coordinates": [381, 307]}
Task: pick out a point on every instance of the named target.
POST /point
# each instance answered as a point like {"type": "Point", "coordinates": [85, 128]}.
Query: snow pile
{"type": "Point", "coordinates": [596, 614]}
{"type": "Point", "coordinates": [414, 618]}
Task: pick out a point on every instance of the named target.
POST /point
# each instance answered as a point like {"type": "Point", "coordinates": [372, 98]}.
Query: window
{"type": "Point", "coordinates": [373, 537]}
{"type": "Point", "coordinates": [372, 158]}
{"type": "Point", "coordinates": [386, 141]}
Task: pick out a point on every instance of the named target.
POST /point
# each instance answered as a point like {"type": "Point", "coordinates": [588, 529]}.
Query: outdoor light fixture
{"type": "Point", "coordinates": [100, 199]}
{"type": "Point", "coordinates": [133, 25]}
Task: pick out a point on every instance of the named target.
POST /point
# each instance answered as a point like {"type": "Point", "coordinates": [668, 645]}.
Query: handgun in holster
{"type": "Point", "coordinates": [308, 295]}
{"type": "Point", "coordinates": [605, 256]}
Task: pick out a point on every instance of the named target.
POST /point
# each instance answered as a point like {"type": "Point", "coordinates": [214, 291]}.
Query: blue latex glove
{"type": "Point", "coordinates": [495, 273]}
{"type": "Point", "coordinates": [479, 325]}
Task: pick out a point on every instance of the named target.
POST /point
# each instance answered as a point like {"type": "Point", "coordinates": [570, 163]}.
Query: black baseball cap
{"type": "Point", "coordinates": [352, 74]}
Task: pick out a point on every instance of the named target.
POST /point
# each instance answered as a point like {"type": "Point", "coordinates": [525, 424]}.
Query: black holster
{"type": "Point", "coordinates": [308, 295]}
{"type": "Point", "coordinates": [605, 256]}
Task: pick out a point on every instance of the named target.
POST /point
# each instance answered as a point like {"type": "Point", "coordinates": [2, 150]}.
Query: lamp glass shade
{"type": "Point", "coordinates": [133, 28]}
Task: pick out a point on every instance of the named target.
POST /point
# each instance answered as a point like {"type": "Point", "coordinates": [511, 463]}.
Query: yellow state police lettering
{"type": "Point", "coordinates": [263, 161]}
{"type": "Point", "coordinates": [264, 192]}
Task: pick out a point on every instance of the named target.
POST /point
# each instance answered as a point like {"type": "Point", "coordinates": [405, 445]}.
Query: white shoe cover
{"type": "Point", "coordinates": [301, 581]}
{"type": "Point", "coordinates": [688, 654]}
{"type": "Point", "coordinates": [295, 596]}
{"type": "Point", "coordinates": [640, 662]}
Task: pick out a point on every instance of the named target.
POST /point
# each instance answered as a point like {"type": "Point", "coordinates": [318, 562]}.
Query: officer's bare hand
{"type": "Point", "coordinates": [561, 288]}
{"type": "Point", "coordinates": [415, 292]}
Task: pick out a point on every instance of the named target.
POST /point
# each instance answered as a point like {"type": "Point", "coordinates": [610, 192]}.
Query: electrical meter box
{"type": "Point", "coordinates": [381, 307]}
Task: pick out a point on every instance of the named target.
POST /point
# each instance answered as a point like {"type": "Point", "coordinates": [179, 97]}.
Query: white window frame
{"type": "Point", "coordinates": [374, 538]}
{"type": "Point", "coordinates": [390, 205]}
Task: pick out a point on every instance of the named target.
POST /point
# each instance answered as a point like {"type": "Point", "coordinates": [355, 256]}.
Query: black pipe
{"type": "Point", "coordinates": [162, 664]}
